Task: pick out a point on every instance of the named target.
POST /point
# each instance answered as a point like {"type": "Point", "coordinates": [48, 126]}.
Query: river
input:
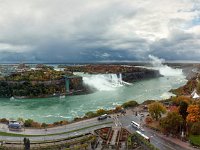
{"type": "Point", "coordinates": [55, 109]}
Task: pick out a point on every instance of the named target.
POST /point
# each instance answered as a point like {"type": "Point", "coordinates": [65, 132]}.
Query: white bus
{"type": "Point", "coordinates": [144, 136]}
{"type": "Point", "coordinates": [135, 124]}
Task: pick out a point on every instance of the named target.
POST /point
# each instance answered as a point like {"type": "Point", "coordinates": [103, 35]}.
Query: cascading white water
{"type": "Point", "coordinates": [103, 82]}
{"type": "Point", "coordinates": [120, 78]}
{"type": "Point", "coordinates": [164, 69]}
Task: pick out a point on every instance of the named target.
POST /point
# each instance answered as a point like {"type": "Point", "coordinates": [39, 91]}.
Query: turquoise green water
{"type": "Point", "coordinates": [54, 109]}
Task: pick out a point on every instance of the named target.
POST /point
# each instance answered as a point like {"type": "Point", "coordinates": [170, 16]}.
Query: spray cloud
{"type": "Point", "coordinates": [164, 69]}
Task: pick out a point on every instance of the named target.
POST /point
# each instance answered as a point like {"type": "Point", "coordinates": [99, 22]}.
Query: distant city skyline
{"type": "Point", "coordinates": [67, 31]}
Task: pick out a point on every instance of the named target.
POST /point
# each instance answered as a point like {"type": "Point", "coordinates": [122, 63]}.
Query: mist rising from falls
{"type": "Point", "coordinates": [104, 82]}
{"type": "Point", "coordinates": [164, 69]}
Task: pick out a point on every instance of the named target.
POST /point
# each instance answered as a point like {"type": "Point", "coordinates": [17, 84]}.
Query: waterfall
{"type": "Point", "coordinates": [120, 78]}
{"type": "Point", "coordinates": [164, 69]}
{"type": "Point", "coordinates": [104, 82]}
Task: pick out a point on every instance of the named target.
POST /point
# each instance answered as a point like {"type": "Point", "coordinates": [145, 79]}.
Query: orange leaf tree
{"type": "Point", "coordinates": [193, 114]}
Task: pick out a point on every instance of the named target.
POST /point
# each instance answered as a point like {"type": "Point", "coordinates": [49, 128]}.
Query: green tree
{"type": "Point", "coordinates": [156, 109]}
{"type": "Point", "coordinates": [44, 125]}
{"type": "Point", "coordinates": [28, 123]}
{"type": "Point", "coordinates": [172, 122]}
{"type": "Point", "coordinates": [20, 119]}
{"type": "Point", "coordinates": [130, 104]}
{"type": "Point", "coordinates": [90, 114]}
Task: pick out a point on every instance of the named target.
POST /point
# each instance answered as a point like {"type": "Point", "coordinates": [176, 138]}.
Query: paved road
{"type": "Point", "coordinates": [54, 137]}
{"type": "Point", "coordinates": [119, 121]}
{"type": "Point", "coordinates": [59, 129]}
{"type": "Point", "coordinates": [155, 139]}
{"type": "Point", "coordinates": [90, 125]}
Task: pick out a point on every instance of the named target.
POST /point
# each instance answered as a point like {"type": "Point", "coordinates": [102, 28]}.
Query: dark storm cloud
{"type": "Point", "coordinates": [81, 31]}
{"type": "Point", "coordinates": [178, 46]}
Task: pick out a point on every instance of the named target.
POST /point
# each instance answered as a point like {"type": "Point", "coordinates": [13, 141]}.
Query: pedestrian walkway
{"type": "Point", "coordinates": [116, 121]}
{"type": "Point", "coordinates": [114, 137]}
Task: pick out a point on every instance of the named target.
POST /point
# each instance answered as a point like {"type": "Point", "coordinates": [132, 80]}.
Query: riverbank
{"type": "Point", "coordinates": [31, 124]}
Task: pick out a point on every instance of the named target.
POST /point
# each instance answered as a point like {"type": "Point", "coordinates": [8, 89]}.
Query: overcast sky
{"type": "Point", "coordinates": [99, 30]}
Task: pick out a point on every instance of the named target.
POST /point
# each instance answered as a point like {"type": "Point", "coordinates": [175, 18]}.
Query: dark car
{"type": "Point", "coordinates": [102, 117]}
{"type": "Point", "coordinates": [14, 125]}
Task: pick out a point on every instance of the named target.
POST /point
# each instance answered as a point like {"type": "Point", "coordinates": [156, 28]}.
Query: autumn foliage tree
{"type": "Point", "coordinates": [156, 109]}
{"type": "Point", "coordinates": [172, 122]}
{"type": "Point", "coordinates": [178, 99]}
{"type": "Point", "coordinates": [193, 113]}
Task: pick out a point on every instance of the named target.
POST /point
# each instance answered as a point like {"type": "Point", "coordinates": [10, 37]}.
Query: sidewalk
{"type": "Point", "coordinates": [185, 145]}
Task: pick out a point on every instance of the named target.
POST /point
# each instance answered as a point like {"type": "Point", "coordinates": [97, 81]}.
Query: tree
{"type": "Point", "coordinates": [195, 130]}
{"type": "Point", "coordinates": [148, 120]}
{"type": "Point", "coordinates": [178, 99]}
{"type": "Point", "coordinates": [193, 114]}
{"type": "Point", "coordinates": [118, 109]}
{"type": "Point", "coordinates": [91, 114]}
{"type": "Point", "coordinates": [156, 109]}
{"type": "Point", "coordinates": [183, 109]}
{"type": "Point", "coordinates": [28, 123]}
{"type": "Point", "coordinates": [172, 122]}
{"type": "Point", "coordinates": [20, 119]}
{"type": "Point", "coordinates": [44, 125]}
{"type": "Point", "coordinates": [101, 112]}
{"type": "Point", "coordinates": [130, 104]}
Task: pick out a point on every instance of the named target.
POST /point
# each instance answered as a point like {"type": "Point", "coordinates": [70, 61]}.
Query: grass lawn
{"type": "Point", "coordinates": [195, 140]}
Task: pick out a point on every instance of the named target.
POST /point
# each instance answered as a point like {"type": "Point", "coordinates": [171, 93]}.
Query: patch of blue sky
{"type": "Point", "coordinates": [196, 21]}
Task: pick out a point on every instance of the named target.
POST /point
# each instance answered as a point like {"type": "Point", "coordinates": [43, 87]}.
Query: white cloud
{"type": "Point", "coordinates": [46, 29]}
{"type": "Point", "coordinates": [13, 48]}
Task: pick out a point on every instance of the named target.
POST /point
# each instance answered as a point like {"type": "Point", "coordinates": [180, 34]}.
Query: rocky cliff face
{"type": "Point", "coordinates": [76, 83]}
{"type": "Point", "coordinates": [134, 76]}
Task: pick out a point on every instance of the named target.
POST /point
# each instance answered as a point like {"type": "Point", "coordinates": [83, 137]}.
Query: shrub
{"type": "Point", "coordinates": [148, 120]}
{"type": "Point", "coordinates": [20, 119]}
{"type": "Point", "coordinates": [35, 125]}
{"type": "Point", "coordinates": [147, 102]}
{"type": "Point", "coordinates": [118, 108]}
{"type": "Point", "coordinates": [130, 104]}
{"type": "Point", "coordinates": [77, 119]}
{"type": "Point", "coordinates": [64, 122]}
{"type": "Point", "coordinates": [90, 114]}
{"type": "Point", "coordinates": [56, 123]}
{"type": "Point", "coordinates": [28, 123]}
{"type": "Point", "coordinates": [44, 125]}
{"type": "Point", "coordinates": [4, 120]}
{"type": "Point", "coordinates": [101, 112]}
{"type": "Point", "coordinates": [195, 129]}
